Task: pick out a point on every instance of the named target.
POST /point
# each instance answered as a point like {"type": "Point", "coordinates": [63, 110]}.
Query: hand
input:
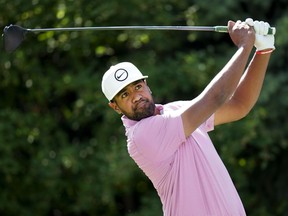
{"type": "Point", "coordinates": [241, 34]}
{"type": "Point", "coordinates": [263, 41]}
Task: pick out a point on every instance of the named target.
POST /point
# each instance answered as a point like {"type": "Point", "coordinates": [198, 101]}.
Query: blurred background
{"type": "Point", "coordinates": [63, 150]}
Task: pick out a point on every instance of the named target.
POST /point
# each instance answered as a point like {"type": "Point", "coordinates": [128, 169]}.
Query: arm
{"type": "Point", "coordinates": [224, 84]}
{"type": "Point", "coordinates": [249, 87]}
{"type": "Point", "coordinates": [247, 92]}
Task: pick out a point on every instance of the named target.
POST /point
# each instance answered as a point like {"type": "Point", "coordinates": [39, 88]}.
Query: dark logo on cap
{"type": "Point", "coordinates": [121, 75]}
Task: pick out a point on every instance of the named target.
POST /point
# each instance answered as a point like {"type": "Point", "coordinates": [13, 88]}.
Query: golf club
{"type": "Point", "coordinates": [13, 35]}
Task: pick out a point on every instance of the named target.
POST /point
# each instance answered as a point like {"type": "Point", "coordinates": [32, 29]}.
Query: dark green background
{"type": "Point", "coordinates": [63, 150]}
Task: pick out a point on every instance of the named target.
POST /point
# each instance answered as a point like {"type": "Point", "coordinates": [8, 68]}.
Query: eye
{"type": "Point", "coordinates": [139, 86]}
{"type": "Point", "coordinates": [124, 95]}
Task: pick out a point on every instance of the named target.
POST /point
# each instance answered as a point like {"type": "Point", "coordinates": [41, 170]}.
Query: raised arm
{"type": "Point", "coordinates": [224, 84]}
{"type": "Point", "coordinates": [250, 85]}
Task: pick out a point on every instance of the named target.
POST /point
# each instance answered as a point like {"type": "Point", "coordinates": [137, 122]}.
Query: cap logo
{"type": "Point", "coordinates": [121, 75]}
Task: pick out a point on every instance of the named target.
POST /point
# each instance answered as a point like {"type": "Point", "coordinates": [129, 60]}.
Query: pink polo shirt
{"type": "Point", "coordinates": [188, 174]}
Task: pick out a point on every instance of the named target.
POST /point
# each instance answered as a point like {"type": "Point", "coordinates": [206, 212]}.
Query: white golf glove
{"type": "Point", "coordinates": [263, 41]}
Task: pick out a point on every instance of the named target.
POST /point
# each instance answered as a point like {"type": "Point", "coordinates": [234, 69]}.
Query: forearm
{"type": "Point", "coordinates": [250, 85]}
{"type": "Point", "coordinates": [226, 82]}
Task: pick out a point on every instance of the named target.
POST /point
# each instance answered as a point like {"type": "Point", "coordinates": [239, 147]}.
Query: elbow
{"type": "Point", "coordinates": [243, 111]}
{"type": "Point", "coordinates": [240, 116]}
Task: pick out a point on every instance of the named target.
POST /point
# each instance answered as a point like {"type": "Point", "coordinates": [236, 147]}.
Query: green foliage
{"type": "Point", "coordinates": [63, 150]}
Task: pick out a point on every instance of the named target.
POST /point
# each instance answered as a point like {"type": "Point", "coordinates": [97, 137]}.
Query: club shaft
{"type": "Point", "coordinates": [271, 31]}
{"type": "Point", "coordinates": [180, 28]}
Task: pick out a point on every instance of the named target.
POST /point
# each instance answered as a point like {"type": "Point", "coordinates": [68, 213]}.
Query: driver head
{"type": "Point", "coordinates": [13, 36]}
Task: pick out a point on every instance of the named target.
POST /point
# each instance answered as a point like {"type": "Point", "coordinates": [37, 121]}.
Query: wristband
{"type": "Point", "coordinates": [261, 52]}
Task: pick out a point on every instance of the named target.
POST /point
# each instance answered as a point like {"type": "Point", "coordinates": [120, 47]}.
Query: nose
{"type": "Point", "coordinates": [137, 97]}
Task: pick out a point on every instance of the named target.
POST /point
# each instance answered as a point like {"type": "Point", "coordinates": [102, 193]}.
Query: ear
{"type": "Point", "coordinates": [149, 90]}
{"type": "Point", "coordinates": [114, 106]}
{"type": "Point", "coordinates": [148, 86]}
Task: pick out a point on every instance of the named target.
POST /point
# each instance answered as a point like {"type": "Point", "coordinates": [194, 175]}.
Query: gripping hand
{"type": "Point", "coordinates": [263, 41]}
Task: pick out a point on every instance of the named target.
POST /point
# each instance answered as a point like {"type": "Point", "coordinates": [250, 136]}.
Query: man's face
{"type": "Point", "coordinates": [134, 101]}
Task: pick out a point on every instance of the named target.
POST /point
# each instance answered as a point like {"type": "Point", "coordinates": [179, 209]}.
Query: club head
{"type": "Point", "coordinates": [13, 36]}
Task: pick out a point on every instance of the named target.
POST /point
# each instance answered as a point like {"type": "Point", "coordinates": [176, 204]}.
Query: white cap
{"type": "Point", "coordinates": [118, 77]}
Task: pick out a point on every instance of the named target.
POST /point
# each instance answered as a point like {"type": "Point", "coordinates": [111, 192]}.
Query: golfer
{"type": "Point", "coordinates": [170, 142]}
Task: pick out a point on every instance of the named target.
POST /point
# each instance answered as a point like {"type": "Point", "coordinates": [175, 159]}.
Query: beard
{"type": "Point", "coordinates": [143, 109]}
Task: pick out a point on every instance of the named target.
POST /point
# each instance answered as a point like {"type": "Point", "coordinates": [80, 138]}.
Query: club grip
{"type": "Point", "coordinates": [271, 30]}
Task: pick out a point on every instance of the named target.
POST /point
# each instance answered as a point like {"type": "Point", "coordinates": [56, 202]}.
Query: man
{"type": "Point", "coordinates": [170, 142]}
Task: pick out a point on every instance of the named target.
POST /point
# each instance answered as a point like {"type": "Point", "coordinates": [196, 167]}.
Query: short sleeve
{"type": "Point", "coordinates": [158, 137]}
{"type": "Point", "coordinates": [209, 124]}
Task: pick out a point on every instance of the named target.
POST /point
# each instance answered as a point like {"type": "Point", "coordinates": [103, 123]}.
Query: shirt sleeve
{"type": "Point", "coordinates": [208, 125]}
{"type": "Point", "coordinates": [158, 137]}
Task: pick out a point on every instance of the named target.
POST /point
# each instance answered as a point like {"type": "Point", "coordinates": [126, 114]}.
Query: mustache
{"type": "Point", "coordinates": [140, 101]}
